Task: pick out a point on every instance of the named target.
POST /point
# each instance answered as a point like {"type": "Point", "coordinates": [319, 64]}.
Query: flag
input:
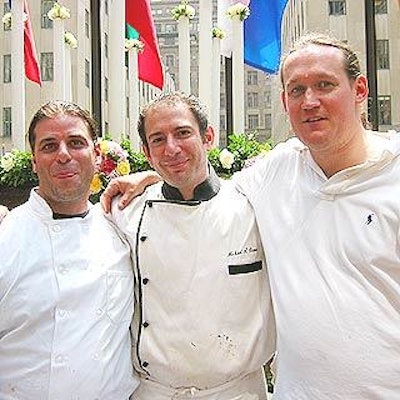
{"type": "Point", "coordinates": [262, 34]}
{"type": "Point", "coordinates": [138, 16]}
{"type": "Point", "coordinates": [32, 70]}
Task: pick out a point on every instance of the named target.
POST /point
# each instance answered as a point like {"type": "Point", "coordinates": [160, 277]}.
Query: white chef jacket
{"type": "Point", "coordinates": [66, 303]}
{"type": "Point", "coordinates": [333, 254]}
{"type": "Point", "coordinates": [204, 324]}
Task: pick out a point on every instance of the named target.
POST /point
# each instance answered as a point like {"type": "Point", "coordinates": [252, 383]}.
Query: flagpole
{"type": "Point", "coordinates": [18, 75]}
{"type": "Point", "coordinates": [133, 97]}
{"type": "Point", "coordinates": [68, 72]}
{"type": "Point", "coordinates": [205, 43]}
{"type": "Point", "coordinates": [238, 75]}
{"type": "Point", "coordinates": [216, 93]}
{"type": "Point", "coordinates": [117, 70]}
{"type": "Point", "coordinates": [184, 54]}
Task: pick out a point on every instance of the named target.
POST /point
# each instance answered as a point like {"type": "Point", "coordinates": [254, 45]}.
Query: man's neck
{"type": "Point", "coordinates": [355, 152]}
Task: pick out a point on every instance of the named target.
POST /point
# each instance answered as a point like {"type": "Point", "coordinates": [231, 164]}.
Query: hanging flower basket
{"type": "Point", "coordinates": [70, 40]}
{"type": "Point", "coordinates": [183, 10]}
{"type": "Point", "coordinates": [238, 10]}
{"type": "Point", "coordinates": [59, 12]}
{"type": "Point", "coordinates": [134, 44]}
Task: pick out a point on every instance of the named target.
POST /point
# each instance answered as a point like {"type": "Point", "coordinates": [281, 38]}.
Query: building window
{"type": "Point", "coordinates": [252, 99]}
{"type": "Point", "coordinates": [47, 66]}
{"type": "Point", "coordinates": [87, 73]}
{"type": "Point", "coordinates": [87, 23]}
{"type": "Point", "coordinates": [252, 78]}
{"type": "Point", "coordinates": [6, 10]}
{"type": "Point", "coordinates": [45, 7]}
{"type": "Point", "coordinates": [382, 54]}
{"type": "Point", "coordinates": [7, 122]}
{"type": "Point", "coordinates": [169, 60]}
{"type": "Point", "coordinates": [385, 110]}
{"type": "Point", "coordinates": [268, 99]}
{"type": "Point", "coordinates": [337, 7]}
{"type": "Point", "coordinates": [169, 41]}
{"type": "Point", "coordinates": [105, 45]}
{"type": "Point", "coordinates": [170, 28]}
{"type": "Point", "coordinates": [380, 6]}
{"type": "Point", "coordinates": [7, 68]}
{"type": "Point", "coordinates": [253, 122]}
{"type": "Point", "coordinates": [128, 114]}
{"type": "Point", "coordinates": [106, 89]}
{"type": "Point", "coordinates": [106, 7]}
{"type": "Point", "coordinates": [268, 121]}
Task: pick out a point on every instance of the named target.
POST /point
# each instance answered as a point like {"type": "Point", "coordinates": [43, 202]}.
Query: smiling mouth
{"type": "Point", "coordinates": [65, 175]}
{"type": "Point", "coordinates": [314, 119]}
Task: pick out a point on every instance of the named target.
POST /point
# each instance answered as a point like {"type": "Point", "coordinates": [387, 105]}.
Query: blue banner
{"type": "Point", "coordinates": [262, 34]}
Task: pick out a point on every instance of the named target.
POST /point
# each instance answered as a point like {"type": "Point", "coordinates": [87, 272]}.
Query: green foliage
{"type": "Point", "coordinates": [242, 147]}
{"type": "Point", "coordinates": [16, 169]}
{"type": "Point", "coordinates": [137, 160]}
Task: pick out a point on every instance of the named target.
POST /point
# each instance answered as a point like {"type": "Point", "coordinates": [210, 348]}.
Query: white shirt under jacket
{"type": "Point", "coordinates": [66, 303]}
{"type": "Point", "coordinates": [333, 254]}
{"type": "Point", "coordinates": [205, 319]}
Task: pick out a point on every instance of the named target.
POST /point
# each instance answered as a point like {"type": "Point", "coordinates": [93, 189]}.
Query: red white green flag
{"type": "Point", "coordinates": [138, 16]}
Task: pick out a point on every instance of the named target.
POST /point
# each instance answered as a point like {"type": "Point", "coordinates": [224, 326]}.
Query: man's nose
{"type": "Point", "coordinates": [63, 154]}
{"type": "Point", "coordinates": [310, 99]}
{"type": "Point", "coordinates": [172, 146]}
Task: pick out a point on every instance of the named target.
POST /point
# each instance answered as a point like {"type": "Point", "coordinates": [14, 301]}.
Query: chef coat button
{"type": "Point", "coordinates": [145, 324]}
{"type": "Point", "coordinates": [150, 203]}
{"type": "Point", "coordinates": [143, 238]}
{"type": "Point", "coordinates": [145, 364]}
{"type": "Point", "coordinates": [56, 228]}
{"type": "Point", "coordinates": [145, 281]}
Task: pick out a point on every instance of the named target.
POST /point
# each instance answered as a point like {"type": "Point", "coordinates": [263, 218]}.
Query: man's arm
{"type": "Point", "coordinates": [129, 186]}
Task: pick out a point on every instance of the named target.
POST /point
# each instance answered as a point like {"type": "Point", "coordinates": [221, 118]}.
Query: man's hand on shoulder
{"type": "Point", "coordinates": [130, 186]}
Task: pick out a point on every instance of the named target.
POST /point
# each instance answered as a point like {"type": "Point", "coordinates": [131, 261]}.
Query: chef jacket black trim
{"type": "Point", "coordinates": [203, 192]}
{"type": "Point", "coordinates": [245, 268]}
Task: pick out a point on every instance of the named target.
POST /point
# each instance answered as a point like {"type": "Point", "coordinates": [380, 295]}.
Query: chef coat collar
{"type": "Point", "coordinates": [203, 192]}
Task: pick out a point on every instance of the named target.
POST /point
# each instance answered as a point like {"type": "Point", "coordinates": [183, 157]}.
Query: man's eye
{"type": "Point", "coordinates": [48, 147]}
{"type": "Point", "coordinates": [296, 91]}
{"type": "Point", "coordinates": [325, 84]}
{"type": "Point", "coordinates": [184, 133]}
{"type": "Point", "coordinates": [78, 143]}
{"type": "Point", "coordinates": [156, 140]}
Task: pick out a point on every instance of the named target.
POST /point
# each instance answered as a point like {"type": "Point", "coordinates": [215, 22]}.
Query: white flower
{"type": "Point", "coordinates": [226, 158]}
{"type": "Point", "coordinates": [183, 10]}
{"type": "Point", "coordinates": [7, 20]}
{"type": "Point", "coordinates": [59, 12]}
{"type": "Point", "coordinates": [134, 44]}
{"type": "Point", "coordinates": [70, 40]}
{"type": "Point", "coordinates": [218, 33]}
{"type": "Point", "coordinates": [7, 162]}
{"type": "Point", "coordinates": [238, 10]}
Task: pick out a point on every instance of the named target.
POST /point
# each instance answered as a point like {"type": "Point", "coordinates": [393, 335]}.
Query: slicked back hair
{"type": "Point", "coordinates": [171, 100]}
{"type": "Point", "coordinates": [58, 107]}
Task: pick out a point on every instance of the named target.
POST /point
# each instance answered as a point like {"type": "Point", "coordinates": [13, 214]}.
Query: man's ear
{"type": "Point", "coordinates": [361, 88]}
{"type": "Point", "coordinates": [33, 162]}
{"type": "Point", "coordinates": [208, 137]}
{"type": "Point", "coordinates": [146, 152]}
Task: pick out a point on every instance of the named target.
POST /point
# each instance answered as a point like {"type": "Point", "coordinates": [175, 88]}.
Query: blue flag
{"type": "Point", "coordinates": [262, 34]}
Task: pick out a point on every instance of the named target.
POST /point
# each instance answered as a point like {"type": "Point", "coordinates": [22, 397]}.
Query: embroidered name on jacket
{"type": "Point", "coordinates": [244, 268]}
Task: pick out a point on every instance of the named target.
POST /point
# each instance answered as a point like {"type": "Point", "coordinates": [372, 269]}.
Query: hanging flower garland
{"type": "Point", "coordinates": [134, 44]}
{"type": "Point", "coordinates": [70, 40]}
{"type": "Point", "coordinates": [183, 10]}
{"type": "Point", "coordinates": [59, 12]}
{"type": "Point", "coordinates": [7, 19]}
{"type": "Point", "coordinates": [238, 10]}
{"type": "Point", "coordinates": [218, 33]}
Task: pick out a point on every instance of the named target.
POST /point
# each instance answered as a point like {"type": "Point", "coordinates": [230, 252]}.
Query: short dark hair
{"type": "Point", "coordinates": [172, 99]}
{"type": "Point", "coordinates": [350, 58]}
{"type": "Point", "coordinates": [58, 107]}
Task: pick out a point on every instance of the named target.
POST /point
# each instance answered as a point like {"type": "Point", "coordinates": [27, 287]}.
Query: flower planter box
{"type": "Point", "coordinates": [14, 196]}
